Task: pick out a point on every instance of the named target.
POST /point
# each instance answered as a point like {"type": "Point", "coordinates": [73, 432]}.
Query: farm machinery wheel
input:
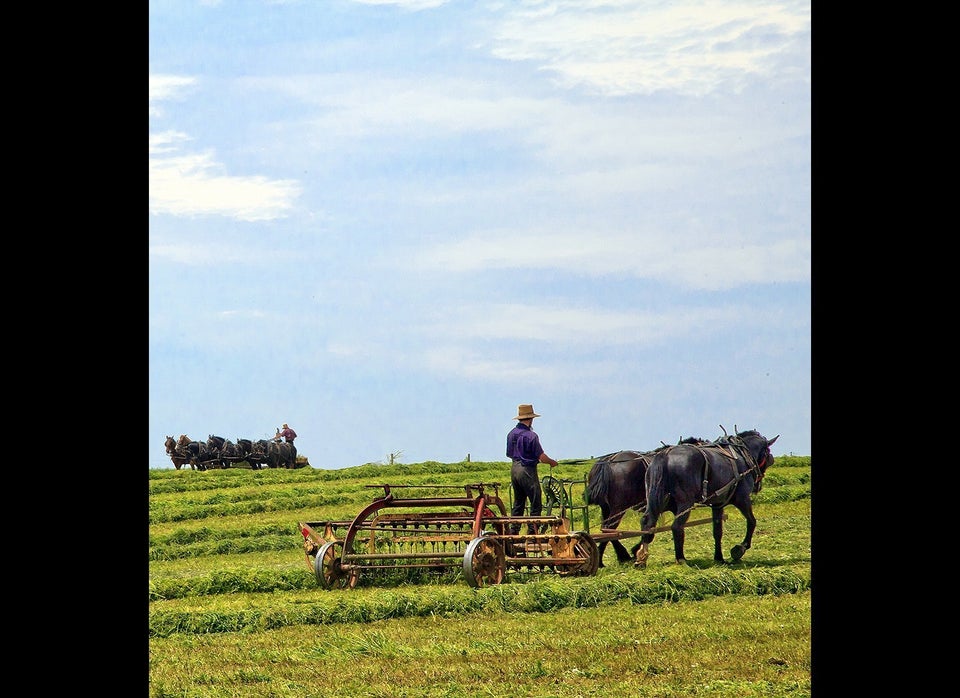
{"type": "Point", "coordinates": [584, 547]}
{"type": "Point", "coordinates": [328, 570]}
{"type": "Point", "coordinates": [553, 494]}
{"type": "Point", "coordinates": [484, 562]}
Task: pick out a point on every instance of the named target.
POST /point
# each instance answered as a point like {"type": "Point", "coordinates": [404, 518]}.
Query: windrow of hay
{"type": "Point", "coordinates": [274, 611]}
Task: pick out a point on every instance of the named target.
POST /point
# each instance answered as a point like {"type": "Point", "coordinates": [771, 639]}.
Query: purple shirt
{"type": "Point", "coordinates": [523, 444]}
{"type": "Point", "coordinates": [289, 434]}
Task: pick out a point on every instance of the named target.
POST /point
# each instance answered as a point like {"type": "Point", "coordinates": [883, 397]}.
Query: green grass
{"type": "Point", "coordinates": [234, 610]}
{"type": "Point", "coordinates": [730, 646]}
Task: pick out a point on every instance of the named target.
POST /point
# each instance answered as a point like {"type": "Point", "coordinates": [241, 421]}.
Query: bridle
{"type": "Point", "coordinates": [760, 468]}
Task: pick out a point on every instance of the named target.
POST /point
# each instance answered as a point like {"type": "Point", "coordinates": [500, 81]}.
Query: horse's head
{"type": "Point", "coordinates": [170, 445]}
{"type": "Point", "coordinates": [759, 447]}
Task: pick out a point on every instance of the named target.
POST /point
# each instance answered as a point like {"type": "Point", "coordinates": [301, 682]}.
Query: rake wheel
{"type": "Point", "coordinates": [586, 549]}
{"type": "Point", "coordinates": [484, 562]}
{"type": "Point", "coordinates": [328, 568]}
{"type": "Point", "coordinates": [553, 494]}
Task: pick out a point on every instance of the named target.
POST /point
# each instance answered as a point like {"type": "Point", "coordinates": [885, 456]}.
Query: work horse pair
{"type": "Point", "coordinates": [727, 471]}
{"type": "Point", "coordinates": [199, 455]}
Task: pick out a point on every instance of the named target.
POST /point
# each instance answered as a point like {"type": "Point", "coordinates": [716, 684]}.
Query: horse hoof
{"type": "Point", "coordinates": [737, 551]}
{"type": "Point", "coordinates": [640, 565]}
{"type": "Point", "coordinates": [681, 561]}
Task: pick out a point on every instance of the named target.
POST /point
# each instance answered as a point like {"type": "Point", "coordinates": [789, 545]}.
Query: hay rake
{"type": "Point", "coordinates": [472, 532]}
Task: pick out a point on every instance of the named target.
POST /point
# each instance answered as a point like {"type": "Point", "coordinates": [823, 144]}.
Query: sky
{"type": "Point", "coordinates": [388, 223]}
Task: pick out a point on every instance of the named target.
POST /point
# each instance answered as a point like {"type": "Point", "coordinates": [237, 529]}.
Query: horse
{"type": "Point", "coordinates": [214, 444]}
{"type": "Point", "coordinates": [726, 471]}
{"type": "Point", "coordinates": [195, 451]}
{"type": "Point", "coordinates": [229, 454]}
{"type": "Point", "coordinates": [616, 484]}
{"type": "Point", "coordinates": [281, 455]}
{"type": "Point", "coordinates": [177, 457]}
{"type": "Point", "coordinates": [249, 452]}
{"type": "Point", "coordinates": [261, 452]}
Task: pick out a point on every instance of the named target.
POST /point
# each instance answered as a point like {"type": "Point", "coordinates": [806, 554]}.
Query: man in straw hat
{"type": "Point", "coordinates": [523, 447]}
{"type": "Point", "coordinates": [288, 435]}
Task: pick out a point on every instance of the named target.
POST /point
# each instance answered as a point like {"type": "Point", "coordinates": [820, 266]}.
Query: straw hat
{"type": "Point", "coordinates": [525, 412]}
{"type": "Point", "coordinates": [284, 425]}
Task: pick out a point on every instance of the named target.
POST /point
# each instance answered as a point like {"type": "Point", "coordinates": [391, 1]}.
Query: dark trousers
{"type": "Point", "coordinates": [526, 486]}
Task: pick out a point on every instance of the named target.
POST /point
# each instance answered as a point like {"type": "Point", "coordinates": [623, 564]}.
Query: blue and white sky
{"type": "Point", "coordinates": [390, 222]}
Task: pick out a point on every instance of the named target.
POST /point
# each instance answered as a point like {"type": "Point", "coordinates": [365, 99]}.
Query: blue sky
{"type": "Point", "coordinates": [388, 223]}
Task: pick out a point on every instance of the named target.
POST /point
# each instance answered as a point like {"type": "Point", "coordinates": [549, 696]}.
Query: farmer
{"type": "Point", "coordinates": [523, 447]}
{"type": "Point", "coordinates": [288, 435]}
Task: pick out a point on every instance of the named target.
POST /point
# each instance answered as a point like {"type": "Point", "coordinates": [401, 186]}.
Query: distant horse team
{"type": "Point", "coordinates": [218, 452]}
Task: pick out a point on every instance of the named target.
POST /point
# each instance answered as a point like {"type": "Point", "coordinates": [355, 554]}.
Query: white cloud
{"type": "Point", "coordinates": [571, 326]}
{"type": "Point", "coordinates": [405, 4]}
{"type": "Point", "coordinates": [673, 259]}
{"type": "Point", "coordinates": [162, 88]}
{"type": "Point", "coordinates": [620, 47]}
{"type": "Point", "coordinates": [204, 254]}
{"type": "Point", "coordinates": [184, 183]}
{"type": "Point", "coordinates": [457, 362]}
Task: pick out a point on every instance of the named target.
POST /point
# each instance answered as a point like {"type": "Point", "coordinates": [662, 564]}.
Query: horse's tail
{"type": "Point", "coordinates": [598, 483]}
{"type": "Point", "coordinates": [658, 489]}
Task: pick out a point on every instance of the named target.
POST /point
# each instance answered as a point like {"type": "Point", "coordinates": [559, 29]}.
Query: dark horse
{"type": "Point", "coordinates": [194, 451]}
{"type": "Point", "coordinates": [726, 471]}
{"type": "Point", "coordinates": [616, 484]}
{"type": "Point", "coordinates": [214, 457]}
{"type": "Point", "coordinates": [254, 452]}
{"type": "Point", "coordinates": [281, 455]}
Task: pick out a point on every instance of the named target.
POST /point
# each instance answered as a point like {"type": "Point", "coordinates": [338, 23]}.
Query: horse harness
{"type": "Point", "coordinates": [726, 492]}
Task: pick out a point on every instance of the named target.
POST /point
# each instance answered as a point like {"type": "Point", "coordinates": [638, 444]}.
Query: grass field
{"type": "Point", "coordinates": [234, 610]}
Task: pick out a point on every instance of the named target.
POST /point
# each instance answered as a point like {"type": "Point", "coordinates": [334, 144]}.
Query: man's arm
{"type": "Point", "coordinates": [544, 458]}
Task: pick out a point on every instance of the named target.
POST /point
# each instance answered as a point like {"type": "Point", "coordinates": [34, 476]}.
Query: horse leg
{"type": "Point", "coordinates": [613, 522]}
{"type": "Point", "coordinates": [642, 552]}
{"type": "Point", "coordinates": [600, 549]}
{"type": "Point", "coordinates": [679, 535]}
{"type": "Point", "coordinates": [737, 551]}
{"type": "Point", "coordinates": [623, 555]}
{"type": "Point", "coordinates": [717, 514]}
{"type": "Point", "coordinates": [642, 549]}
